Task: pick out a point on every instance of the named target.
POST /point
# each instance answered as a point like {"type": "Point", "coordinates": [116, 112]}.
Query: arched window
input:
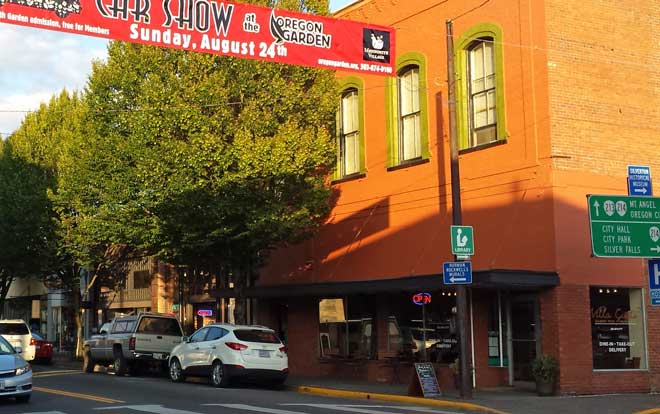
{"type": "Point", "coordinates": [482, 102]}
{"type": "Point", "coordinates": [349, 133]}
{"type": "Point", "coordinates": [409, 119]}
{"type": "Point", "coordinates": [480, 87]}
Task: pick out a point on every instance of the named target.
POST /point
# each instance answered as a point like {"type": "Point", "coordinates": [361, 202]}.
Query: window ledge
{"type": "Point", "coordinates": [483, 146]}
{"type": "Point", "coordinates": [410, 163]}
{"type": "Point", "coordinates": [351, 177]}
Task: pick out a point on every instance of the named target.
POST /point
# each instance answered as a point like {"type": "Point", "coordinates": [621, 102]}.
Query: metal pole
{"type": "Point", "coordinates": [457, 218]}
{"type": "Point", "coordinates": [424, 359]}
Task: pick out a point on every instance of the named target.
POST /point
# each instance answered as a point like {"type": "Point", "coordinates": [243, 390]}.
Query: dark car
{"type": "Point", "coordinates": [44, 349]}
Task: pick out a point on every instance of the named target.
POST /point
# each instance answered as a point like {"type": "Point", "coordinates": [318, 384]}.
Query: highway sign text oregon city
{"type": "Point", "coordinates": [624, 226]}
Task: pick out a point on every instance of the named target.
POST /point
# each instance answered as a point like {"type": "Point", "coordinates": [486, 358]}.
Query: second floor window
{"type": "Point", "coordinates": [482, 104]}
{"type": "Point", "coordinates": [349, 134]}
{"type": "Point", "coordinates": [410, 146]}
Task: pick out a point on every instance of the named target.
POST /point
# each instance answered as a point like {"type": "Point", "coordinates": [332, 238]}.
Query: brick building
{"type": "Point", "coordinates": [554, 100]}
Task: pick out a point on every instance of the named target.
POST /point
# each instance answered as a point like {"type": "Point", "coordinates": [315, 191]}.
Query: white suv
{"type": "Point", "coordinates": [18, 334]}
{"type": "Point", "coordinates": [225, 352]}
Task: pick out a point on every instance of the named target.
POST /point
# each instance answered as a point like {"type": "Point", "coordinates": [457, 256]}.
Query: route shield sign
{"type": "Point", "coordinates": [639, 181]}
{"type": "Point", "coordinates": [462, 240]}
{"type": "Point", "coordinates": [457, 273]}
{"type": "Point", "coordinates": [624, 226]}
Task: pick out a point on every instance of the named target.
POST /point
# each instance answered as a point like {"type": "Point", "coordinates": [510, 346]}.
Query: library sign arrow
{"type": "Point", "coordinates": [624, 226]}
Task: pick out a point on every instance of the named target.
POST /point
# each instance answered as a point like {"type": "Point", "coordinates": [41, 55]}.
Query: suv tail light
{"type": "Point", "coordinates": [131, 343]}
{"type": "Point", "coordinates": [283, 350]}
{"type": "Point", "coordinates": [236, 347]}
{"type": "Point", "coordinates": [32, 341]}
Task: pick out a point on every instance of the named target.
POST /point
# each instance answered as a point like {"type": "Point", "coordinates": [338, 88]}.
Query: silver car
{"type": "Point", "coordinates": [15, 373]}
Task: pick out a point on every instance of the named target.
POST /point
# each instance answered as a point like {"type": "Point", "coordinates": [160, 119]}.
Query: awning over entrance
{"type": "Point", "coordinates": [493, 279]}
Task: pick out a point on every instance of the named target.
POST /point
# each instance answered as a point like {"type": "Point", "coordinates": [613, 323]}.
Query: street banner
{"type": "Point", "coordinates": [218, 27]}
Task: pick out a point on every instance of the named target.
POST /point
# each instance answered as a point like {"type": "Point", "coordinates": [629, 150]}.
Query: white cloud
{"type": "Point", "coordinates": [37, 64]}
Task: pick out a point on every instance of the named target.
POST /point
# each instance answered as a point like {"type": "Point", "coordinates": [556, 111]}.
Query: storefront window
{"type": "Point", "coordinates": [497, 350]}
{"type": "Point", "coordinates": [346, 328]}
{"type": "Point", "coordinates": [432, 338]}
{"type": "Point", "coordinates": [617, 328]}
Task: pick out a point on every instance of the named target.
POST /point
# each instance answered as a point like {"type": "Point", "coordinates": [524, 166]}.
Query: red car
{"type": "Point", "coordinates": [44, 349]}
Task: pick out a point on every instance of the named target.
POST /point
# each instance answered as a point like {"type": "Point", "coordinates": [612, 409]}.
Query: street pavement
{"type": "Point", "coordinates": [63, 389]}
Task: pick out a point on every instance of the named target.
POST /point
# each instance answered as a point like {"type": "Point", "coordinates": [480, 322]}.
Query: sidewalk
{"type": "Point", "coordinates": [496, 400]}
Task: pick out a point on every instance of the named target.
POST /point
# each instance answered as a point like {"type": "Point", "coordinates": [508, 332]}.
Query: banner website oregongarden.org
{"type": "Point", "coordinates": [222, 28]}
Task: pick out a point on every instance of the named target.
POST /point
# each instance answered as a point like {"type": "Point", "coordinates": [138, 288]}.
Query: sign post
{"type": "Point", "coordinates": [654, 281]}
{"type": "Point", "coordinates": [623, 226]}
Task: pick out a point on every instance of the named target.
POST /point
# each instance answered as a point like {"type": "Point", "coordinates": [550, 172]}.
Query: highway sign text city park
{"type": "Point", "coordinates": [624, 226]}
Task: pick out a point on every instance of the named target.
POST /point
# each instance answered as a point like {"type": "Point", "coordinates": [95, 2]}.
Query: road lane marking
{"type": "Point", "coordinates": [78, 395]}
{"type": "Point", "coordinates": [404, 407]}
{"type": "Point", "coordinates": [350, 409]}
{"type": "Point", "coordinates": [46, 412]}
{"type": "Point", "coordinates": [54, 374]}
{"type": "Point", "coordinates": [254, 408]}
{"type": "Point", "coordinates": [649, 411]}
{"type": "Point", "coordinates": [155, 409]}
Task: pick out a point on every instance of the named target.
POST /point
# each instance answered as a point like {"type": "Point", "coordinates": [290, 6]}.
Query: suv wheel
{"type": "Point", "coordinates": [88, 362]}
{"type": "Point", "coordinates": [219, 377]}
{"type": "Point", "coordinates": [119, 364]}
{"type": "Point", "coordinates": [176, 372]}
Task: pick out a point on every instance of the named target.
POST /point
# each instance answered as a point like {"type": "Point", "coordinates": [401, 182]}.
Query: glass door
{"type": "Point", "coordinates": [524, 335]}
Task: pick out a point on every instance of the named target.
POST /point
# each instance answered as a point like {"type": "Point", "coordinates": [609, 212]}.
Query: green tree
{"type": "Point", "coordinates": [198, 159]}
{"type": "Point", "coordinates": [26, 230]}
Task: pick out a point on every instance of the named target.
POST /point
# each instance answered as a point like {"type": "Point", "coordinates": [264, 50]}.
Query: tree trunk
{"type": "Point", "coordinates": [5, 284]}
{"type": "Point", "coordinates": [240, 305]}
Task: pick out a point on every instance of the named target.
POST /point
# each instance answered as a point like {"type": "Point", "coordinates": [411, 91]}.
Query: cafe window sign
{"type": "Point", "coordinates": [617, 328]}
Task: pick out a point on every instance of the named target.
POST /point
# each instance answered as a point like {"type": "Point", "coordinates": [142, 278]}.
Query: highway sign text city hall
{"type": "Point", "coordinates": [624, 226]}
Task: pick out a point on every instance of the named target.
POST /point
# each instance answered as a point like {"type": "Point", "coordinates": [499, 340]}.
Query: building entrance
{"type": "Point", "coordinates": [525, 335]}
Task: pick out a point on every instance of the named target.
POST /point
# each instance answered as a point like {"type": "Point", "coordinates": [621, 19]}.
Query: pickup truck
{"type": "Point", "coordinates": [129, 342]}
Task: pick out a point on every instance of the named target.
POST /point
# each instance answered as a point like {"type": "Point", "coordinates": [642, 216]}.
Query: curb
{"type": "Point", "coordinates": [330, 392]}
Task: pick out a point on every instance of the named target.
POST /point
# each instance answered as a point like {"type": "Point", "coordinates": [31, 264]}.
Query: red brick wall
{"type": "Point", "coordinates": [302, 341]}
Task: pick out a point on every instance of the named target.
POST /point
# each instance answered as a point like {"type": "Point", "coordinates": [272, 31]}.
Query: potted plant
{"type": "Point", "coordinates": [545, 370]}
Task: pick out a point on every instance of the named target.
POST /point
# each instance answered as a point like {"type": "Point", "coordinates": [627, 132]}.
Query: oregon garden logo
{"type": "Point", "coordinates": [376, 45]}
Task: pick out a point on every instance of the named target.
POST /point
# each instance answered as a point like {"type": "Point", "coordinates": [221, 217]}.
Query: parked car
{"type": "Point", "coordinates": [15, 373]}
{"type": "Point", "coordinates": [43, 349]}
{"type": "Point", "coordinates": [225, 352]}
{"type": "Point", "coordinates": [18, 334]}
{"type": "Point", "coordinates": [129, 342]}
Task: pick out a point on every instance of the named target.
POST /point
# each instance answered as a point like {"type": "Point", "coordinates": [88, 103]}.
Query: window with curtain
{"type": "Point", "coordinates": [482, 95]}
{"type": "Point", "coordinates": [410, 146]}
{"type": "Point", "coordinates": [349, 136]}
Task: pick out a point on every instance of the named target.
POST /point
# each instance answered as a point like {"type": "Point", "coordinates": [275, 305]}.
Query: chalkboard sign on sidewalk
{"type": "Point", "coordinates": [427, 379]}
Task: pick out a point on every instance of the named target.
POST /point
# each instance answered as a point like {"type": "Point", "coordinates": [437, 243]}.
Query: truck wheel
{"type": "Point", "coordinates": [176, 372]}
{"type": "Point", "coordinates": [219, 375]}
{"type": "Point", "coordinates": [88, 362]}
{"type": "Point", "coordinates": [119, 364]}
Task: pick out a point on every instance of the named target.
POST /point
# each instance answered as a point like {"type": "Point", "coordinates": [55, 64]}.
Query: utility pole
{"type": "Point", "coordinates": [457, 216]}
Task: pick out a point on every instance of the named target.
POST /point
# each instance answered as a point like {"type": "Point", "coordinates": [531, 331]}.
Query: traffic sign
{"type": "Point", "coordinates": [654, 281]}
{"type": "Point", "coordinates": [462, 240]}
{"type": "Point", "coordinates": [457, 273]}
{"type": "Point", "coordinates": [639, 181]}
{"type": "Point", "coordinates": [623, 226]}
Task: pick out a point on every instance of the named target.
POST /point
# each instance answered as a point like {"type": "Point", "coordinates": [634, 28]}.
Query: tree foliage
{"type": "Point", "coordinates": [199, 159]}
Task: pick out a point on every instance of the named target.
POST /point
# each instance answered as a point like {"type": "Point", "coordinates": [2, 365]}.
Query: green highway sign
{"type": "Point", "coordinates": [462, 240]}
{"type": "Point", "coordinates": [624, 226]}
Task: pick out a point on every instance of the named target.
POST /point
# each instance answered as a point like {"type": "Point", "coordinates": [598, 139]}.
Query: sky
{"type": "Point", "coordinates": [36, 64]}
